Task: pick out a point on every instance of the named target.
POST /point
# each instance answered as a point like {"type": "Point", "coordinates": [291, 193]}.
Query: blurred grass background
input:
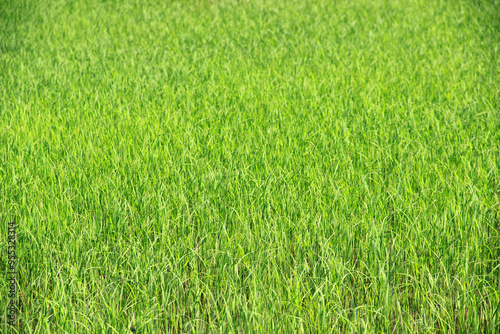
{"type": "Point", "coordinates": [251, 166]}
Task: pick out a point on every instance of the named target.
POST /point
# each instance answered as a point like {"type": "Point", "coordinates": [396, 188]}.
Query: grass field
{"type": "Point", "coordinates": [251, 166]}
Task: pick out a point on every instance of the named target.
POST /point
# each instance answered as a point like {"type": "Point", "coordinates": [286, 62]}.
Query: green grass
{"type": "Point", "coordinates": [251, 166]}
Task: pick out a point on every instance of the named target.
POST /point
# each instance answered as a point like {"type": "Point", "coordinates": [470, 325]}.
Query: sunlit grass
{"type": "Point", "coordinates": [252, 166]}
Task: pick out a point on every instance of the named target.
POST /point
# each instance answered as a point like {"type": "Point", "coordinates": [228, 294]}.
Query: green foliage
{"type": "Point", "coordinates": [252, 166]}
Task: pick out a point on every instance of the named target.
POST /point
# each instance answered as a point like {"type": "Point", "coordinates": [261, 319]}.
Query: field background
{"type": "Point", "coordinates": [251, 166]}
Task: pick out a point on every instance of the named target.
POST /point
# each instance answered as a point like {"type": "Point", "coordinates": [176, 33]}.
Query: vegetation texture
{"type": "Point", "coordinates": [251, 166]}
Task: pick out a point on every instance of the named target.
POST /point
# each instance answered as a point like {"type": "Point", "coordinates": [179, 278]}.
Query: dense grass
{"type": "Point", "coordinates": [252, 166]}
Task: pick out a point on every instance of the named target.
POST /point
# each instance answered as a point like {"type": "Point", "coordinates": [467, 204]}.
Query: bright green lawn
{"type": "Point", "coordinates": [252, 166]}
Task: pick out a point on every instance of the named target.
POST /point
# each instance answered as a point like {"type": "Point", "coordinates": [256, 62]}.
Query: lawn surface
{"type": "Point", "coordinates": [251, 166]}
